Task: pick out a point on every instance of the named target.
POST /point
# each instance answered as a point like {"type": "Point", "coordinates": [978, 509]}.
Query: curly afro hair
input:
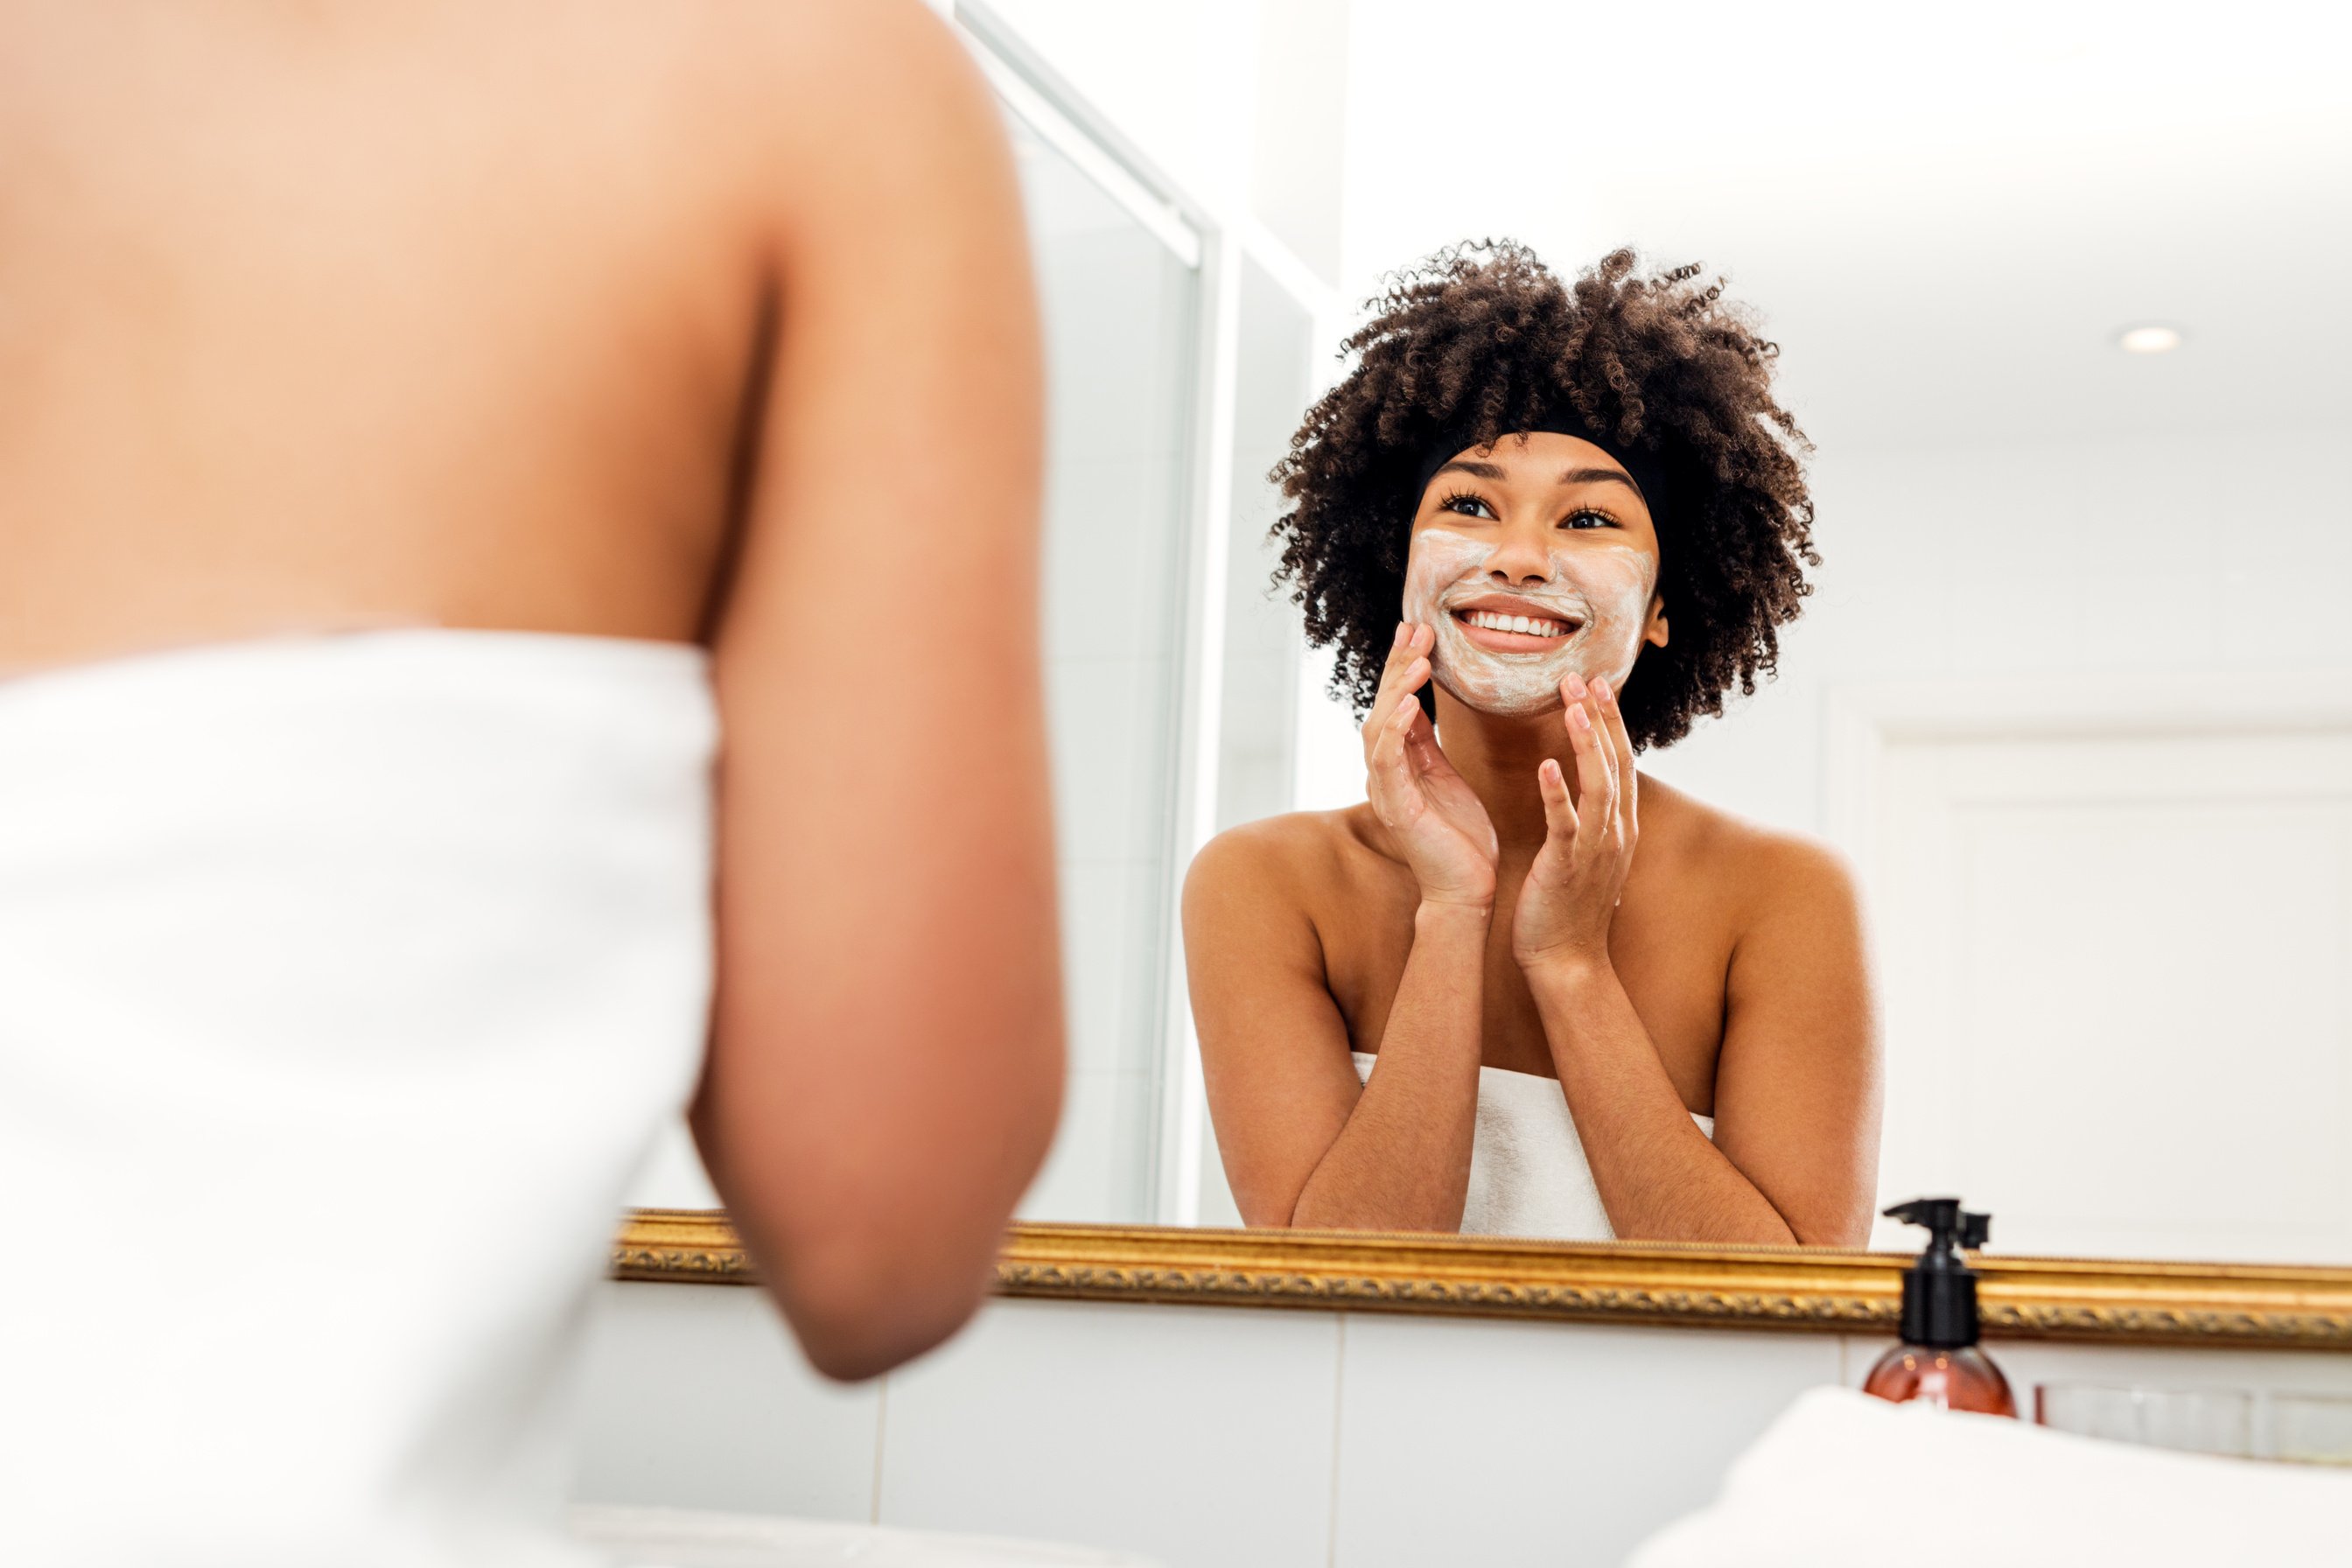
{"type": "Point", "coordinates": [1486, 338]}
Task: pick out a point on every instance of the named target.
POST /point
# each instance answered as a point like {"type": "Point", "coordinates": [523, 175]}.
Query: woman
{"type": "Point", "coordinates": [628, 388]}
{"type": "Point", "coordinates": [1469, 1003]}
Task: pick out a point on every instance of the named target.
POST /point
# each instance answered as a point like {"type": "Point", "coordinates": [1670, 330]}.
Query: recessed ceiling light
{"type": "Point", "coordinates": [2149, 340]}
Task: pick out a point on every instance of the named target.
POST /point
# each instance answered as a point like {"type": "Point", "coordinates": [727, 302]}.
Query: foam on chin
{"type": "Point", "coordinates": [1613, 581]}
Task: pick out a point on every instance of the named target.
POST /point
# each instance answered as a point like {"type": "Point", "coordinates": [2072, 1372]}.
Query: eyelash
{"type": "Point", "coordinates": [1608, 519]}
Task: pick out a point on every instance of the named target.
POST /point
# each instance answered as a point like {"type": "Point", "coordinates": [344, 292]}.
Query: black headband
{"type": "Point", "coordinates": [1458, 437]}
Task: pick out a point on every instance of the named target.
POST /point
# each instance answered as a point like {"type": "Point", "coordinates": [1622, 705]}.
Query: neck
{"type": "Point", "coordinates": [1497, 755]}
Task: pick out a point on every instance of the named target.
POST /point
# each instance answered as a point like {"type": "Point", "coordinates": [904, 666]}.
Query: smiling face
{"type": "Point", "coordinates": [1533, 560]}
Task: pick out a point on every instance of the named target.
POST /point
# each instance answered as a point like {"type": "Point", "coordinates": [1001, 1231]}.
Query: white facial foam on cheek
{"type": "Point", "coordinates": [1441, 560]}
{"type": "Point", "coordinates": [1618, 582]}
{"type": "Point", "coordinates": [1606, 586]}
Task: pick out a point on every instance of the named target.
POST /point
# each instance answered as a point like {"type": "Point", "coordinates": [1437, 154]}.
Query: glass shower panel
{"type": "Point", "coordinates": [1264, 635]}
{"type": "Point", "coordinates": [1275, 352]}
{"type": "Point", "coordinates": [1120, 313]}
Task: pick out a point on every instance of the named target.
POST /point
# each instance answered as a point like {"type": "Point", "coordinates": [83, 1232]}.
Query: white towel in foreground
{"type": "Point", "coordinates": [680, 1538]}
{"type": "Point", "coordinates": [1843, 1479]}
{"type": "Point", "coordinates": [344, 982]}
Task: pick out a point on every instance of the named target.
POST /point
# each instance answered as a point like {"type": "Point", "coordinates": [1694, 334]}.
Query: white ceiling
{"type": "Point", "coordinates": [1946, 214]}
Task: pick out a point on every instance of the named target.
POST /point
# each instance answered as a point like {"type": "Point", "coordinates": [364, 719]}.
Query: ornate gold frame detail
{"type": "Point", "coordinates": [2209, 1304]}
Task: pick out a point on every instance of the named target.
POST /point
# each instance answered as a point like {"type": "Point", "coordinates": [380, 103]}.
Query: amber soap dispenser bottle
{"type": "Point", "coordinates": [1938, 1363]}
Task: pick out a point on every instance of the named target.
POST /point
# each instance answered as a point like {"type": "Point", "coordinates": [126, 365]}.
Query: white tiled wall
{"type": "Point", "coordinates": [1504, 1442]}
{"type": "Point", "coordinates": [1083, 1410]}
{"type": "Point", "coordinates": [1231, 1437]}
{"type": "Point", "coordinates": [697, 1398]}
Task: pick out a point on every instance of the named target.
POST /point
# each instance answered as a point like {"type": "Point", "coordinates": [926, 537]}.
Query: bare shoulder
{"type": "Point", "coordinates": [785, 108]}
{"type": "Point", "coordinates": [865, 40]}
{"type": "Point", "coordinates": [1286, 857]}
{"type": "Point", "coordinates": [843, 72]}
{"type": "Point", "coordinates": [1764, 873]}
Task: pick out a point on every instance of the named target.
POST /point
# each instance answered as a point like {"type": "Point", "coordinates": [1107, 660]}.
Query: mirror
{"type": "Point", "coordinates": [2069, 698]}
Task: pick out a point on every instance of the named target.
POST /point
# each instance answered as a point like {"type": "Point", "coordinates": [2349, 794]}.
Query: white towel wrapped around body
{"type": "Point", "coordinates": [1527, 1171]}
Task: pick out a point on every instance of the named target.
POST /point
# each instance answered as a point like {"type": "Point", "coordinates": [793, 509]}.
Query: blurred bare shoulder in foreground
{"type": "Point", "coordinates": [703, 322]}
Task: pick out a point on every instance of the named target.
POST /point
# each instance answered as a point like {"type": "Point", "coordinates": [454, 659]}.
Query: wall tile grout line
{"type": "Point", "coordinates": [1339, 1391]}
{"type": "Point", "coordinates": [881, 1426]}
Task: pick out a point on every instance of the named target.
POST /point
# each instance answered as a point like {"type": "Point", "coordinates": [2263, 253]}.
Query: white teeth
{"type": "Point", "coordinates": [1526, 626]}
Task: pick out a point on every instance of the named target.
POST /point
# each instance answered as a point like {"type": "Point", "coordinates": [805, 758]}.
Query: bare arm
{"type": "Point", "coordinates": [1798, 1084]}
{"type": "Point", "coordinates": [1402, 1162]}
{"type": "Point", "coordinates": [1795, 1152]}
{"type": "Point", "coordinates": [1658, 1175]}
{"type": "Point", "coordinates": [1303, 1143]}
{"type": "Point", "coordinates": [886, 1064]}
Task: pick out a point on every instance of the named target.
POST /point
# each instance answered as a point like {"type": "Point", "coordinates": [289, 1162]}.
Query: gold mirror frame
{"type": "Point", "coordinates": [2210, 1305]}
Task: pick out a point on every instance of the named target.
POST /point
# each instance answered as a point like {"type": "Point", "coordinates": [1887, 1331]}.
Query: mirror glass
{"type": "Point", "coordinates": [1121, 336]}
{"type": "Point", "coordinates": [2070, 696]}
{"type": "Point", "coordinates": [2073, 694]}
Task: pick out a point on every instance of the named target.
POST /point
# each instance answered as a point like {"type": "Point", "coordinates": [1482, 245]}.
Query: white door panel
{"type": "Point", "coordinates": [2114, 968]}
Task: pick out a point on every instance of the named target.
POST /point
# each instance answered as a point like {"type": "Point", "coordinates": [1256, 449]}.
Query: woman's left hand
{"type": "Point", "coordinates": [1571, 891]}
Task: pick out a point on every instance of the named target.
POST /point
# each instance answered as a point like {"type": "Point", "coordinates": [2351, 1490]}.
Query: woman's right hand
{"type": "Point", "coordinates": [1438, 820]}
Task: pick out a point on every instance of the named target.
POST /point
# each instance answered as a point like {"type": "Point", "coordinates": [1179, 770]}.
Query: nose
{"type": "Point", "coordinates": [1522, 561]}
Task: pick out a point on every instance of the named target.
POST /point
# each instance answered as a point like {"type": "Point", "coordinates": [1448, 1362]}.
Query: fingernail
{"type": "Point", "coordinates": [1575, 684]}
{"type": "Point", "coordinates": [1580, 718]}
{"type": "Point", "coordinates": [1401, 629]}
{"type": "Point", "coordinates": [1600, 686]}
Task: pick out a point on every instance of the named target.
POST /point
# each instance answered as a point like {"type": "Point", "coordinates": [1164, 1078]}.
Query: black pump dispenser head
{"type": "Point", "coordinates": [1940, 1291]}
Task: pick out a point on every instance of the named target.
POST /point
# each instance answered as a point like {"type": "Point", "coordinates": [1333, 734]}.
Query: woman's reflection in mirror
{"type": "Point", "coordinates": [1522, 989]}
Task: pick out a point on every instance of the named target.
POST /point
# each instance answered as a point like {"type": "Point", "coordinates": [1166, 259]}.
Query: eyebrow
{"type": "Point", "coordinates": [1570, 477]}
{"type": "Point", "coordinates": [1598, 476]}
